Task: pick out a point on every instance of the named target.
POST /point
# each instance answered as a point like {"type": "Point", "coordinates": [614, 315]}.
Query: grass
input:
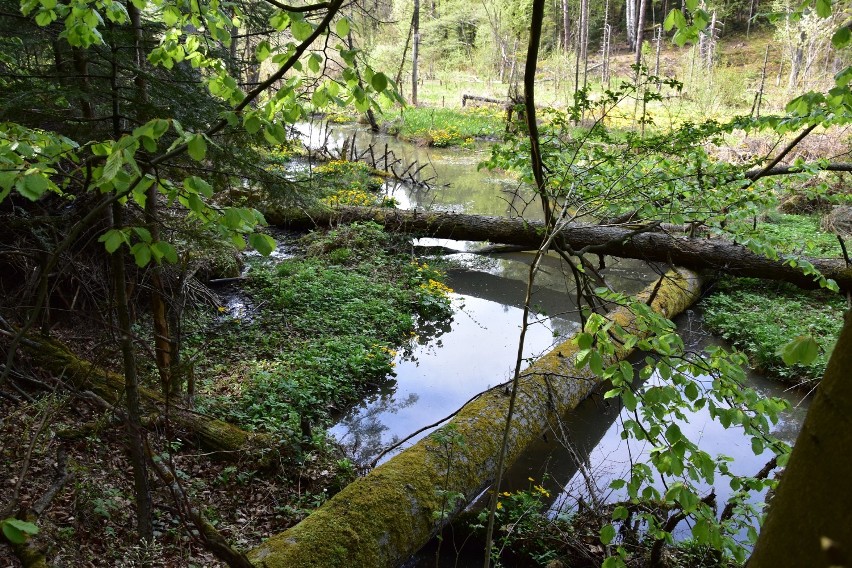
{"type": "Point", "coordinates": [444, 127]}
{"type": "Point", "coordinates": [323, 329]}
{"type": "Point", "coordinates": [800, 234]}
{"type": "Point", "coordinates": [761, 317]}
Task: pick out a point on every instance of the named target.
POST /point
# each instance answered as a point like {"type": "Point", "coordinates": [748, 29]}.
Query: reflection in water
{"type": "Point", "coordinates": [591, 436]}
{"type": "Point", "coordinates": [458, 185]}
{"type": "Point", "coordinates": [476, 353]}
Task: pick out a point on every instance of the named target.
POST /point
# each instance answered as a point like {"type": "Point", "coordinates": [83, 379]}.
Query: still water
{"type": "Point", "coordinates": [445, 366]}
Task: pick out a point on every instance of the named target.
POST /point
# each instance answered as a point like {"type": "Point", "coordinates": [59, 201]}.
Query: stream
{"type": "Point", "coordinates": [445, 367]}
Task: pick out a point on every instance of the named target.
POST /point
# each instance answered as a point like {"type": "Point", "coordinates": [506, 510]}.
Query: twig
{"type": "Point", "coordinates": [212, 538]}
{"type": "Point", "coordinates": [394, 446]}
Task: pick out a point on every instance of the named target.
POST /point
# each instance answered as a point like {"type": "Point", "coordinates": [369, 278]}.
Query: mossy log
{"type": "Point", "coordinates": [226, 440]}
{"type": "Point", "coordinates": [383, 518]}
{"type": "Point", "coordinates": [625, 241]}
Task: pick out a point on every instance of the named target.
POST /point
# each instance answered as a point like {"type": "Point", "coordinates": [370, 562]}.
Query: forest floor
{"type": "Point", "coordinates": [312, 332]}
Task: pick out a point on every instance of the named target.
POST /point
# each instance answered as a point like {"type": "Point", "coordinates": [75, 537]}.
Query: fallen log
{"type": "Point", "coordinates": [225, 440]}
{"type": "Point", "coordinates": [383, 518]}
{"type": "Point", "coordinates": [638, 242]}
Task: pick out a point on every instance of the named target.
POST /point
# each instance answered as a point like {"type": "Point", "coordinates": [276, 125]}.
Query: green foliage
{"type": "Point", "coordinates": [444, 127]}
{"type": "Point", "coordinates": [757, 317]}
{"type": "Point", "coordinates": [525, 534]}
{"type": "Point", "coordinates": [323, 330]}
{"type": "Point", "coordinates": [672, 386]}
{"type": "Point", "coordinates": [16, 530]}
{"type": "Point", "coordinates": [341, 182]}
{"type": "Point", "coordinates": [794, 234]}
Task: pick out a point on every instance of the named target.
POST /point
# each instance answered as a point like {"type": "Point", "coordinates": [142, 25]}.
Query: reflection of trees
{"type": "Point", "coordinates": [427, 333]}
{"type": "Point", "coordinates": [364, 428]}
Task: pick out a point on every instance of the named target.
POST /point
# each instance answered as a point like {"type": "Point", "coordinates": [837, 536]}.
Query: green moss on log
{"type": "Point", "coordinates": [384, 517]}
{"type": "Point", "coordinates": [230, 442]}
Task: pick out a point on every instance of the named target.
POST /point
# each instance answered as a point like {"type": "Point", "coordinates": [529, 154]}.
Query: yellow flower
{"type": "Point", "coordinates": [499, 505]}
{"type": "Point", "coordinates": [222, 308]}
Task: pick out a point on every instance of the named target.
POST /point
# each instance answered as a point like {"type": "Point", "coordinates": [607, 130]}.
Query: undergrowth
{"type": "Point", "coordinates": [761, 317]}
{"type": "Point", "coordinates": [444, 127]}
{"type": "Point", "coordinates": [319, 331]}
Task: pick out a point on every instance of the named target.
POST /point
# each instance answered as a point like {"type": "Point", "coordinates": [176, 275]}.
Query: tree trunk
{"type": "Point", "coordinates": [640, 30]}
{"type": "Point", "coordinates": [630, 22]}
{"type": "Point", "coordinates": [144, 504]}
{"type": "Point", "coordinates": [639, 242]}
{"type": "Point", "coordinates": [810, 518]}
{"type": "Point", "coordinates": [415, 47]}
{"type": "Point", "coordinates": [382, 518]}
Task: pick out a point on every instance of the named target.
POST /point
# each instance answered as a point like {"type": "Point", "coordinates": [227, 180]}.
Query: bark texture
{"type": "Point", "coordinates": [643, 243]}
{"type": "Point", "coordinates": [383, 518]}
{"type": "Point", "coordinates": [810, 518]}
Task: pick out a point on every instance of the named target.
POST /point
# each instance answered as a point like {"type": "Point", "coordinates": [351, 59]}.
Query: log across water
{"type": "Point", "coordinates": [697, 253]}
{"type": "Point", "coordinates": [383, 518]}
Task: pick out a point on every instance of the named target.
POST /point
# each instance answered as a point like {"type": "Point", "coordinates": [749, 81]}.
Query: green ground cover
{"type": "Point", "coordinates": [761, 317]}
{"type": "Point", "coordinates": [318, 331]}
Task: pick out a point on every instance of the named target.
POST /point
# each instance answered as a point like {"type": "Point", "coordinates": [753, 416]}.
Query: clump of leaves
{"type": "Point", "coordinates": [762, 318]}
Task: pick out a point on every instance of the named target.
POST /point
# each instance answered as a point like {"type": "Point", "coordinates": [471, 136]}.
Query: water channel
{"type": "Point", "coordinates": [439, 372]}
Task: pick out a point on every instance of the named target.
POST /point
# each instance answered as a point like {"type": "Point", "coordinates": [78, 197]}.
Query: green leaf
{"type": "Point", "coordinates": [195, 185]}
{"type": "Point", "coordinates": [629, 399]}
{"type": "Point", "coordinates": [673, 433]}
{"type": "Point", "coordinates": [613, 562]}
{"type": "Point", "coordinates": [596, 363]}
{"type": "Point", "coordinates": [757, 446]}
{"type": "Point", "coordinates": [691, 391]}
{"type": "Point", "coordinates": [803, 349]}
{"type": "Point", "coordinates": [44, 18]}
{"type": "Point", "coordinates": [584, 340]}
{"type": "Point", "coordinates": [279, 20]}
{"type": "Point", "coordinates": [263, 51]}
{"type": "Point", "coordinates": [141, 253]}
{"type": "Point", "coordinates": [841, 38]}
{"type": "Point", "coordinates": [32, 186]}
{"type": "Point", "coordinates": [607, 534]}
{"type": "Point", "coordinates": [823, 8]}
{"type": "Point", "coordinates": [314, 61]}
{"type": "Point", "coordinates": [342, 27]}
{"type": "Point", "coordinates": [252, 123]}
{"type": "Point", "coordinates": [379, 82]}
{"type": "Point", "coordinates": [162, 249]}
{"type": "Point", "coordinates": [301, 30]}
{"type": "Point", "coordinates": [264, 244]}
{"type": "Point", "coordinates": [16, 530]}
{"type": "Point", "coordinates": [143, 234]}
{"type": "Point", "coordinates": [691, 5]}
{"type": "Point", "coordinates": [113, 239]}
{"type": "Point", "coordinates": [113, 164]}
{"type": "Point", "coordinates": [197, 147]}
{"type": "Point", "coordinates": [319, 99]}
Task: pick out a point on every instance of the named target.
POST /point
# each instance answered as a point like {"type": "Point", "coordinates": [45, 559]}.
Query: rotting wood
{"type": "Point", "coordinates": [643, 242]}
{"type": "Point", "coordinates": [381, 519]}
{"type": "Point", "coordinates": [225, 440]}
